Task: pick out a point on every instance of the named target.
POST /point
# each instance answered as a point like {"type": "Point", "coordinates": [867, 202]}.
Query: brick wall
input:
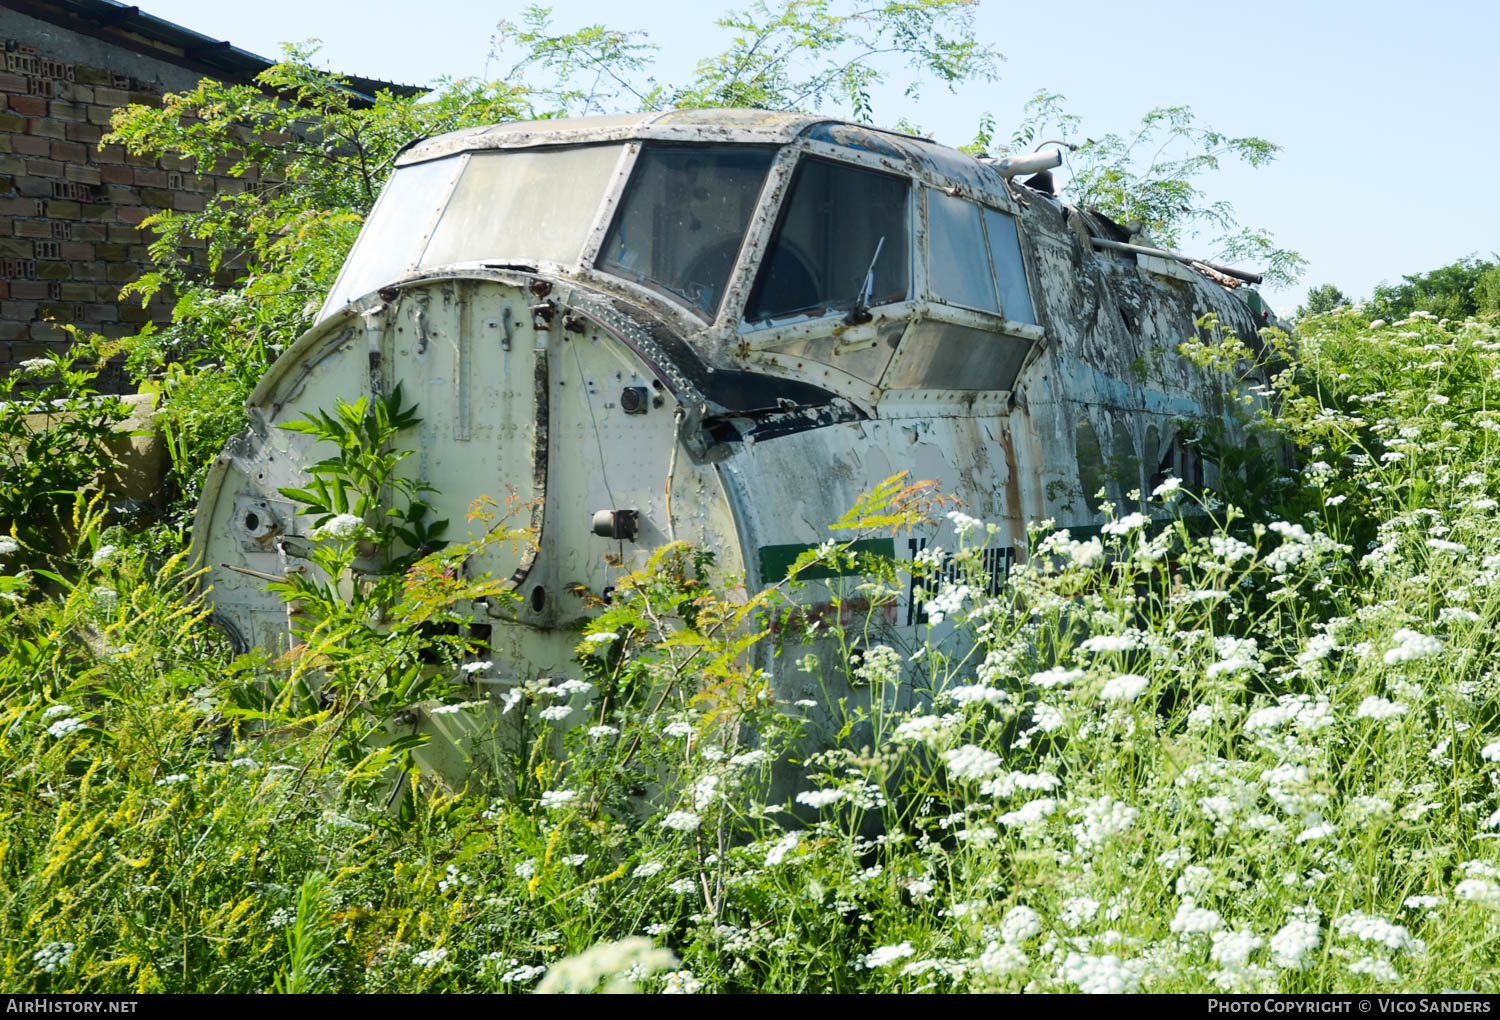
{"type": "Point", "coordinates": [70, 209]}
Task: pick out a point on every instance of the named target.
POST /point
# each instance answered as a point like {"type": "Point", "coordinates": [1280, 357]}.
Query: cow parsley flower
{"type": "Point", "coordinates": [1411, 645]}
{"type": "Point", "coordinates": [820, 798]}
{"type": "Point", "coordinates": [429, 958]}
{"type": "Point", "coordinates": [1369, 928]}
{"type": "Point", "coordinates": [1479, 890]}
{"type": "Point", "coordinates": [1019, 924]}
{"type": "Point", "coordinates": [1294, 943]}
{"type": "Point", "coordinates": [552, 799]}
{"type": "Point", "coordinates": [105, 555]}
{"type": "Point", "coordinates": [1192, 919]}
{"type": "Point", "coordinates": [785, 845]}
{"type": "Point", "coordinates": [340, 527]}
{"type": "Point", "coordinates": [1056, 677]}
{"type": "Point", "coordinates": [1379, 708]}
{"type": "Point", "coordinates": [884, 956]}
{"type": "Point", "coordinates": [1125, 687]}
{"type": "Point", "coordinates": [1125, 525]}
{"type": "Point", "coordinates": [682, 821]}
{"type": "Point", "coordinates": [971, 762]}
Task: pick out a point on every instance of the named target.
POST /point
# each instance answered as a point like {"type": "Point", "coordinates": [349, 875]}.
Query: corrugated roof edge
{"type": "Point", "coordinates": [114, 22]}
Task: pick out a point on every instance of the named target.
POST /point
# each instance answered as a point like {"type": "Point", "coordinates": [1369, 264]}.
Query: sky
{"type": "Point", "coordinates": [1386, 112]}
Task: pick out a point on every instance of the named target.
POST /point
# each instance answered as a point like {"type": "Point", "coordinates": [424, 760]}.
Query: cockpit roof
{"type": "Point", "coordinates": [716, 126]}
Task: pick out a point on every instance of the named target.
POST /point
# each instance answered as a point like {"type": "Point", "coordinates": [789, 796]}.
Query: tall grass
{"type": "Point", "coordinates": [1223, 747]}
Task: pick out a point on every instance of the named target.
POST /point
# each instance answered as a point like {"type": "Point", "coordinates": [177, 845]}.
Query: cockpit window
{"type": "Point", "coordinates": [842, 239]}
{"type": "Point", "coordinates": [505, 206]}
{"type": "Point", "coordinates": [523, 205]}
{"type": "Point", "coordinates": [682, 219]}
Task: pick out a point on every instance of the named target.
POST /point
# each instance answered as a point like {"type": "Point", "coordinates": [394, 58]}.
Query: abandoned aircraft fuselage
{"type": "Point", "coordinates": [733, 323]}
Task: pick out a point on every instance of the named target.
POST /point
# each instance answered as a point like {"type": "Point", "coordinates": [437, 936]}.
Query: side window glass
{"type": "Point", "coordinates": [958, 266]}
{"type": "Point", "coordinates": [837, 222]}
{"type": "Point", "coordinates": [1010, 271]}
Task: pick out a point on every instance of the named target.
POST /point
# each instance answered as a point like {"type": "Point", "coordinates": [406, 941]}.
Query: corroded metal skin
{"type": "Point", "coordinates": [553, 374]}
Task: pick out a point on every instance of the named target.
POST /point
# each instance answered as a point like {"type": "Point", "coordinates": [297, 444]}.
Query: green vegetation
{"type": "Point", "coordinates": [1262, 754]}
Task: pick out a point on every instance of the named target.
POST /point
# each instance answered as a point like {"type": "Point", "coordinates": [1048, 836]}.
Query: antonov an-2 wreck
{"type": "Point", "coordinates": [723, 326]}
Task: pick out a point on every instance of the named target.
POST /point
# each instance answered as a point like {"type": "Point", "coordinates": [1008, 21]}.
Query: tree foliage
{"type": "Point", "coordinates": [1322, 299]}
{"type": "Point", "coordinates": [1462, 288]}
{"type": "Point", "coordinates": [1151, 176]}
{"type": "Point", "coordinates": [795, 55]}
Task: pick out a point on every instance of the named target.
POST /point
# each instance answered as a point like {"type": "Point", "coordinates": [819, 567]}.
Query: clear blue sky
{"type": "Point", "coordinates": [1387, 112]}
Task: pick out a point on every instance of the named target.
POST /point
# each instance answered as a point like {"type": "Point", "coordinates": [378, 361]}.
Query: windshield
{"type": "Point", "coordinates": [682, 218]}
{"type": "Point", "coordinates": [842, 239]}
{"type": "Point", "coordinates": [523, 205]}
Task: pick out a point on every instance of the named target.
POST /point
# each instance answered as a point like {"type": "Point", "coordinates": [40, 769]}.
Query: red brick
{"type": "Point", "coordinates": [69, 152]}
{"type": "Point", "coordinates": [151, 178]}
{"type": "Point", "coordinates": [93, 272]}
{"type": "Point", "coordinates": [77, 250]}
{"type": "Point", "coordinates": [47, 331]}
{"type": "Point", "coordinates": [29, 106]}
{"type": "Point", "coordinates": [4, 289]}
{"type": "Point", "coordinates": [30, 145]}
{"type": "Point", "coordinates": [184, 202]}
{"type": "Point", "coordinates": [12, 82]}
{"type": "Point", "coordinates": [17, 207]}
{"type": "Point", "coordinates": [77, 291]}
{"type": "Point", "coordinates": [134, 160]}
{"type": "Point", "coordinates": [33, 228]}
{"type": "Point", "coordinates": [108, 154]}
{"type": "Point", "coordinates": [80, 93]}
{"type": "Point", "coordinates": [28, 290]}
{"type": "Point", "coordinates": [98, 211]}
{"type": "Point", "coordinates": [44, 167]}
{"type": "Point", "coordinates": [122, 195]}
{"type": "Point", "coordinates": [90, 232]}
{"type": "Point", "coordinates": [18, 310]}
{"type": "Point", "coordinates": [116, 174]}
{"type": "Point", "coordinates": [101, 313]}
{"type": "Point", "coordinates": [131, 213]}
{"type": "Point", "coordinates": [99, 114]}
{"type": "Point", "coordinates": [121, 272]}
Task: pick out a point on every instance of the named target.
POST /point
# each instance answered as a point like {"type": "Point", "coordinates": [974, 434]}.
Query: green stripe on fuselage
{"type": "Point", "coordinates": [776, 560]}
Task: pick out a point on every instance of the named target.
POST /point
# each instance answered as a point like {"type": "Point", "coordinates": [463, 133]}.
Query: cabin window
{"type": "Point", "coordinates": [682, 219]}
{"type": "Point", "coordinates": [1010, 271]}
{"type": "Point", "coordinates": [974, 258]}
{"type": "Point", "coordinates": [841, 240]}
{"type": "Point", "coordinates": [959, 269]}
